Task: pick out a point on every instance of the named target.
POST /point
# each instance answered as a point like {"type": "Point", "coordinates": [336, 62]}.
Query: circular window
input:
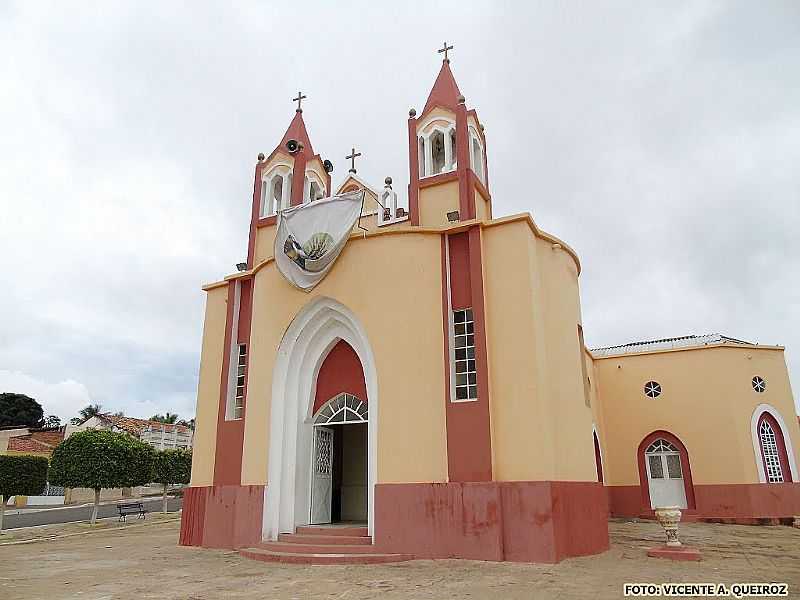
{"type": "Point", "coordinates": [759, 384]}
{"type": "Point", "coordinates": [652, 389]}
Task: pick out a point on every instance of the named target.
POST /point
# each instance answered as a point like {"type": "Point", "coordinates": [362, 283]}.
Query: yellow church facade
{"type": "Point", "coordinates": [432, 395]}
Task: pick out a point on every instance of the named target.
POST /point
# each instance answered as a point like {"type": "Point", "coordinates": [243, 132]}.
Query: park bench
{"type": "Point", "coordinates": [134, 508]}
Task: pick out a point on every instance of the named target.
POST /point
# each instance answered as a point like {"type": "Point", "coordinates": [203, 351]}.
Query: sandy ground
{"type": "Point", "coordinates": [140, 562]}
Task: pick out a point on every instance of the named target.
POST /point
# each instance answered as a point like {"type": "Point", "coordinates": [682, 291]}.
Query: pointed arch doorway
{"type": "Point", "coordinates": [339, 461]}
{"type": "Point", "coordinates": [301, 392]}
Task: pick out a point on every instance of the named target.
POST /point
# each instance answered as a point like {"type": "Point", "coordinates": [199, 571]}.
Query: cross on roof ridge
{"type": "Point", "coordinates": [352, 159]}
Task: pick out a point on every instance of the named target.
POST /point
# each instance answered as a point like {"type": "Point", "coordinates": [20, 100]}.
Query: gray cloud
{"type": "Point", "coordinates": [660, 141]}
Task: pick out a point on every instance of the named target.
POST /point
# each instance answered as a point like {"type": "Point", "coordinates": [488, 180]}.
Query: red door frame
{"type": "Point", "coordinates": [783, 455]}
{"type": "Point", "coordinates": [685, 467]}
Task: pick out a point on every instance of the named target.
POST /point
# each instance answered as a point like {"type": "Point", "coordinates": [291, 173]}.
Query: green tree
{"type": "Point", "coordinates": [185, 423]}
{"type": "Point", "coordinates": [21, 476]}
{"type": "Point", "coordinates": [168, 418]}
{"type": "Point", "coordinates": [98, 459]}
{"type": "Point", "coordinates": [172, 466]}
{"type": "Point", "coordinates": [51, 421]}
{"type": "Point", "coordinates": [20, 410]}
{"type": "Point", "coordinates": [87, 413]}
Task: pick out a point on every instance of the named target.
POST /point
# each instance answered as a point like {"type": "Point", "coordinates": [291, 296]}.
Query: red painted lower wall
{"type": "Point", "coordinates": [526, 521]}
{"type": "Point", "coordinates": [222, 516]}
{"type": "Point", "coordinates": [745, 502]}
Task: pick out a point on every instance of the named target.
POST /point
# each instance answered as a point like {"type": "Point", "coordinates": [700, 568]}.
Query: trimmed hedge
{"type": "Point", "coordinates": [98, 459]}
{"type": "Point", "coordinates": [22, 475]}
{"type": "Point", "coordinates": [173, 466]}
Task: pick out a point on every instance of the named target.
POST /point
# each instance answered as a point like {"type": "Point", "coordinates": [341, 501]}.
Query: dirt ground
{"type": "Point", "coordinates": [141, 562]}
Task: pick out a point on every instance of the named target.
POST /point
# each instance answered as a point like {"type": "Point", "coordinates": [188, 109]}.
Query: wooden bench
{"type": "Point", "coordinates": [134, 508]}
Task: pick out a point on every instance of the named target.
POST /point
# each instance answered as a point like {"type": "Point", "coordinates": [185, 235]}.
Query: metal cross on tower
{"type": "Point", "coordinates": [299, 99]}
{"type": "Point", "coordinates": [352, 159]}
{"type": "Point", "coordinates": [444, 49]}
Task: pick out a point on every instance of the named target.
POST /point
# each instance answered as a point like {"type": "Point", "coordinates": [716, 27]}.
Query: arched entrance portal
{"type": "Point", "coordinates": [301, 389]}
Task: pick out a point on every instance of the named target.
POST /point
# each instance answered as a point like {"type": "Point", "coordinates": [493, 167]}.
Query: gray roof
{"type": "Point", "coordinates": [686, 341]}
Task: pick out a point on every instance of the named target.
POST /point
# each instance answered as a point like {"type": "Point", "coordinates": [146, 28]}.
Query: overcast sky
{"type": "Point", "coordinates": [660, 140]}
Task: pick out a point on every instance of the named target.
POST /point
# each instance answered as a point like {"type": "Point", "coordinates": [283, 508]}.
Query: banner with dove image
{"type": "Point", "coordinates": [311, 236]}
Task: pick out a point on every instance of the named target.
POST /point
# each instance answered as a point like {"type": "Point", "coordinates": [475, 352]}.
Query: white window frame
{"type": "Point", "coordinates": [478, 169]}
{"type": "Point", "coordinates": [268, 204]}
{"type": "Point", "coordinates": [756, 439]}
{"type": "Point", "coordinates": [312, 177]}
{"type": "Point", "coordinates": [470, 387]}
{"type": "Point", "coordinates": [354, 410]}
{"type": "Point", "coordinates": [240, 387]}
{"type": "Point", "coordinates": [425, 148]}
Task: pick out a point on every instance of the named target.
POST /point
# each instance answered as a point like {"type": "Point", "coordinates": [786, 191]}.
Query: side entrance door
{"type": "Point", "coordinates": [664, 475]}
{"type": "Point", "coordinates": [322, 476]}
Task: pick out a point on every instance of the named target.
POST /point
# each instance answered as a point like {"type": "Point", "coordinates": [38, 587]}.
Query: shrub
{"type": "Point", "coordinates": [172, 466]}
{"type": "Point", "coordinates": [21, 476]}
{"type": "Point", "coordinates": [101, 459]}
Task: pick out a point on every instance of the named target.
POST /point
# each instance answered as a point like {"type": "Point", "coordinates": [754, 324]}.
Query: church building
{"type": "Point", "coordinates": [415, 383]}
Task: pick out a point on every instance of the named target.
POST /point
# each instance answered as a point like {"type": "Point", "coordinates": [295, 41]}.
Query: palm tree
{"type": "Point", "coordinates": [87, 413]}
{"type": "Point", "coordinates": [168, 418]}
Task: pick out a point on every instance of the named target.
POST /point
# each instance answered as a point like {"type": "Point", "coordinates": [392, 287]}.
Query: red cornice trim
{"type": "Point", "coordinates": [688, 485]}
{"type": "Point", "coordinates": [437, 179]}
{"type": "Point", "coordinates": [267, 221]}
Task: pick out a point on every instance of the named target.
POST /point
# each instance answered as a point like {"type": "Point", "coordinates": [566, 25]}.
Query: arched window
{"type": "Point", "coordinates": [477, 158]}
{"type": "Point", "coordinates": [437, 142]}
{"type": "Point", "coordinates": [437, 147]}
{"type": "Point", "coordinates": [773, 450]}
{"type": "Point", "coordinates": [276, 191]}
{"type": "Point", "coordinates": [313, 189]}
{"type": "Point", "coordinates": [343, 408]}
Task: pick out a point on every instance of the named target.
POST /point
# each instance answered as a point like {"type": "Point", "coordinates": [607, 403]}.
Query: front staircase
{"type": "Point", "coordinates": [323, 545]}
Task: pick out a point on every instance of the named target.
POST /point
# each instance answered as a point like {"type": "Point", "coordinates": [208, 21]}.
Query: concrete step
{"type": "Point", "coordinates": [300, 548]}
{"type": "Point", "coordinates": [348, 530]}
{"type": "Point", "coordinates": [345, 540]}
{"type": "Point", "coordinates": [322, 559]}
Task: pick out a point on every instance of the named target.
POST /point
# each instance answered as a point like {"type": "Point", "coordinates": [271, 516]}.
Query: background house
{"type": "Point", "coordinates": [161, 436]}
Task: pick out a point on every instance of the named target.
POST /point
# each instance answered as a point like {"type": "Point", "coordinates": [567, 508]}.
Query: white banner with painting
{"type": "Point", "coordinates": [311, 236]}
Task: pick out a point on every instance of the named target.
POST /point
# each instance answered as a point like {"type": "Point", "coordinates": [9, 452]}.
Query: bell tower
{"type": "Point", "coordinates": [291, 174]}
{"type": "Point", "coordinates": [447, 156]}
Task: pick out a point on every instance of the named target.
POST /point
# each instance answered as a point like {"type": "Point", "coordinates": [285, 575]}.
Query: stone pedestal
{"type": "Point", "coordinates": [669, 517]}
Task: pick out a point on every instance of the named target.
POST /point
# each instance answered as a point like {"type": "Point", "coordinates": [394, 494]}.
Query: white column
{"type": "Point", "coordinates": [286, 191]}
{"type": "Point", "coordinates": [428, 157]}
{"type": "Point", "coordinates": [448, 152]}
{"type": "Point", "coordinates": [262, 206]}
